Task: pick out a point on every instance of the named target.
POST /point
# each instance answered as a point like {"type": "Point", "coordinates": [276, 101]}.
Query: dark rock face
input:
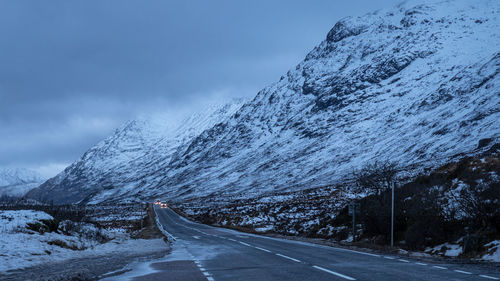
{"type": "Point", "coordinates": [343, 29]}
{"type": "Point", "coordinates": [417, 84]}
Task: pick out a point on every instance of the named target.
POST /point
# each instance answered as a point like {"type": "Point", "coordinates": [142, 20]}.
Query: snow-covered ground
{"type": "Point", "coordinates": [452, 250]}
{"type": "Point", "coordinates": [493, 251]}
{"type": "Point", "coordinates": [445, 250]}
{"type": "Point", "coordinates": [22, 247]}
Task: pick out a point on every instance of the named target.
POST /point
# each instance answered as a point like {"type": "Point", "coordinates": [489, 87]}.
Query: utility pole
{"type": "Point", "coordinates": [392, 217]}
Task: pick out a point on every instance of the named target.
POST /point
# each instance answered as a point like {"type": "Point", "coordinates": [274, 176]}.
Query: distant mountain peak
{"type": "Point", "coordinates": [17, 181]}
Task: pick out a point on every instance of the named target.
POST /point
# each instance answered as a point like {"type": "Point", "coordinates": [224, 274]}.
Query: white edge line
{"type": "Point", "coordinates": [160, 226]}
{"type": "Point", "coordinates": [489, 277]}
{"type": "Point", "coordinates": [232, 231]}
{"type": "Point", "coordinates": [333, 272]}
{"type": "Point", "coordinates": [287, 257]}
{"type": "Point", "coordinates": [389, 258]}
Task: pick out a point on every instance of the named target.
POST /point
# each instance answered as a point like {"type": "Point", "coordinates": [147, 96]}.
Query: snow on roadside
{"type": "Point", "coordinates": [445, 250]}
{"type": "Point", "coordinates": [455, 250]}
{"type": "Point", "coordinates": [22, 247]}
{"type": "Point", "coordinates": [13, 221]}
{"type": "Point", "coordinates": [493, 251]}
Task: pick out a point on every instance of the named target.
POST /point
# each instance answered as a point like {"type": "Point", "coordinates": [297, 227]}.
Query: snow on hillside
{"type": "Point", "coordinates": [16, 181]}
{"type": "Point", "coordinates": [134, 155]}
{"type": "Point", "coordinates": [418, 85]}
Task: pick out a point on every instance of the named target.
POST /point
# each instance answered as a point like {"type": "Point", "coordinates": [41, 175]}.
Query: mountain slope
{"type": "Point", "coordinates": [17, 182]}
{"type": "Point", "coordinates": [418, 85]}
{"type": "Point", "coordinates": [135, 154]}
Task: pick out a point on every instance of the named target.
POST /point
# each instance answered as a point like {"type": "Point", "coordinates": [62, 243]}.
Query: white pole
{"type": "Point", "coordinates": [392, 218]}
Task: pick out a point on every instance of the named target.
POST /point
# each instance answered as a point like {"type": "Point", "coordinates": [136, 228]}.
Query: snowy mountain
{"type": "Point", "coordinates": [16, 181]}
{"type": "Point", "coordinates": [418, 85]}
{"type": "Point", "coordinates": [135, 155]}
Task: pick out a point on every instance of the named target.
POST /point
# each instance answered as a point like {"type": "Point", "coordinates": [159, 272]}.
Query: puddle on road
{"type": "Point", "coordinates": [181, 251]}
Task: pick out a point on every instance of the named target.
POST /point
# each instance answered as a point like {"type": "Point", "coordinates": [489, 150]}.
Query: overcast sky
{"type": "Point", "coordinates": [73, 71]}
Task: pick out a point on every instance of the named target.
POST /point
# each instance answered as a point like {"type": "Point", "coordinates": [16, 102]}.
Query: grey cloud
{"type": "Point", "coordinates": [111, 60]}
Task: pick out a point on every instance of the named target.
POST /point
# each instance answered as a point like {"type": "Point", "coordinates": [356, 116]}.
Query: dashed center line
{"type": "Point", "coordinates": [262, 249]}
{"type": "Point", "coordinates": [203, 270]}
{"type": "Point", "coordinates": [287, 257]}
{"type": "Point", "coordinates": [333, 272]}
{"type": "Point", "coordinates": [461, 271]}
{"type": "Point", "coordinates": [489, 277]}
{"type": "Point", "coordinates": [210, 278]}
{"type": "Point", "coordinates": [440, 267]}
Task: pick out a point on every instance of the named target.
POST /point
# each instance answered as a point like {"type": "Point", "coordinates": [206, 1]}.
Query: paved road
{"type": "Point", "coordinates": [221, 254]}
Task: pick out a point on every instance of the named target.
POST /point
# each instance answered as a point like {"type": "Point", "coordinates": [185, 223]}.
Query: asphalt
{"type": "Point", "coordinates": [203, 252]}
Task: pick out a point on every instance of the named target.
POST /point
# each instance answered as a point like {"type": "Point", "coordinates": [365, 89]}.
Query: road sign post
{"type": "Point", "coordinates": [354, 209]}
{"type": "Point", "coordinates": [392, 217]}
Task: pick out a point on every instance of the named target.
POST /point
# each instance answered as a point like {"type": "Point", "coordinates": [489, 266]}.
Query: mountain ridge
{"type": "Point", "coordinates": [16, 182]}
{"type": "Point", "coordinates": [143, 144]}
{"type": "Point", "coordinates": [415, 84]}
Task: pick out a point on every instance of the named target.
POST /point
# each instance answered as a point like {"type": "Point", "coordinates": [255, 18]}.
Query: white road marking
{"type": "Point", "coordinates": [202, 269]}
{"type": "Point", "coordinates": [440, 267]}
{"type": "Point", "coordinates": [419, 263]}
{"type": "Point", "coordinates": [287, 257]}
{"type": "Point", "coordinates": [333, 272]}
{"type": "Point", "coordinates": [247, 235]}
{"type": "Point", "coordinates": [390, 258]}
{"type": "Point", "coordinates": [231, 239]}
{"type": "Point", "coordinates": [245, 244]}
{"type": "Point", "coordinates": [403, 260]}
{"type": "Point", "coordinates": [196, 237]}
{"type": "Point", "coordinates": [347, 250]}
{"type": "Point", "coordinates": [461, 271]}
{"type": "Point", "coordinates": [262, 249]}
{"type": "Point", "coordinates": [489, 277]}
